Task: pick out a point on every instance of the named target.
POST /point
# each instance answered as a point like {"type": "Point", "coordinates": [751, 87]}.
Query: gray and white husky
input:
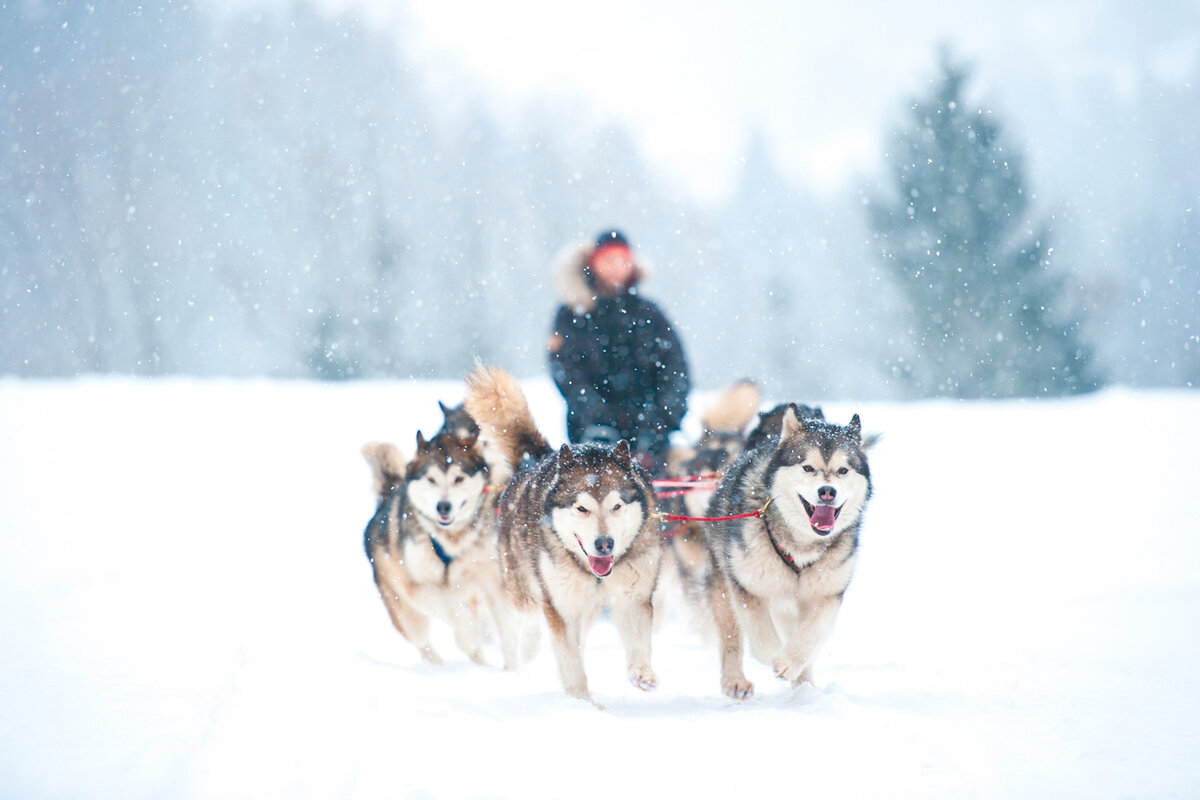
{"type": "Point", "coordinates": [432, 543]}
{"type": "Point", "coordinates": [778, 578]}
{"type": "Point", "coordinates": [577, 532]}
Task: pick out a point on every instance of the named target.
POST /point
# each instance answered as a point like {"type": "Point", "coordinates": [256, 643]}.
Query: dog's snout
{"type": "Point", "coordinates": [604, 546]}
{"type": "Point", "coordinates": [443, 508]}
{"type": "Point", "coordinates": [827, 494]}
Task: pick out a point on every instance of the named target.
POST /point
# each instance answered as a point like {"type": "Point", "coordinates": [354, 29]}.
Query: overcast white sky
{"type": "Point", "coordinates": [825, 82]}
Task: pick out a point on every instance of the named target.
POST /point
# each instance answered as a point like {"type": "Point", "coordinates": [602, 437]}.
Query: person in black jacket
{"type": "Point", "coordinates": [613, 354]}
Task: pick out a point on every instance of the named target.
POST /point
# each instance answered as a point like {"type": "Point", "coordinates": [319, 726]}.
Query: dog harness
{"type": "Point", "coordinates": [437, 548]}
{"type": "Point", "coordinates": [762, 513]}
{"type": "Point", "coordinates": [785, 555]}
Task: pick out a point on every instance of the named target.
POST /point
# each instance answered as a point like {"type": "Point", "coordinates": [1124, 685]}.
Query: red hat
{"type": "Point", "coordinates": [610, 240]}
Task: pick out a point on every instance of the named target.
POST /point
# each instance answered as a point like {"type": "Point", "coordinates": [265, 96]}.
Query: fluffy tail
{"type": "Point", "coordinates": [495, 400]}
{"type": "Point", "coordinates": [387, 467]}
{"type": "Point", "coordinates": [732, 411]}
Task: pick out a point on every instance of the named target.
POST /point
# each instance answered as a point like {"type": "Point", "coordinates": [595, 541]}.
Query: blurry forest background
{"type": "Point", "coordinates": [280, 191]}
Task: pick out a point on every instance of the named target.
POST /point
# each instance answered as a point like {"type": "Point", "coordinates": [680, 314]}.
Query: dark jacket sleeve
{"type": "Point", "coordinates": [670, 397]}
{"type": "Point", "coordinates": [575, 367]}
{"type": "Point", "coordinates": [568, 354]}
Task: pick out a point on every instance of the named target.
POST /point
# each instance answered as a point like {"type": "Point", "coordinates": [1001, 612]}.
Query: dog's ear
{"type": "Point", "coordinates": [791, 424]}
{"type": "Point", "coordinates": [565, 459]}
{"type": "Point", "coordinates": [622, 455]}
{"type": "Point", "coordinates": [856, 429]}
{"type": "Point", "coordinates": [445, 409]}
{"type": "Point", "coordinates": [421, 443]}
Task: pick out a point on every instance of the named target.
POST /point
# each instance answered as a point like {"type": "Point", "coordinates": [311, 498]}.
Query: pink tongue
{"type": "Point", "coordinates": [823, 517]}
{"type": "Point", "coordinates": [601, 565]}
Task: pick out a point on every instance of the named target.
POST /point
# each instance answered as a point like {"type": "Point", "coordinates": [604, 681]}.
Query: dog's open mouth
{"type": "Point", "coordinates": [821, 517]}
{"type": "Point", "coordinates": [599, 565]}
{"type": "Point", "coordinates": [445, 521]}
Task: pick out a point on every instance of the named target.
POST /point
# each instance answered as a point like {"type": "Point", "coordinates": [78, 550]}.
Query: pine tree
{"type": "Point", "coordinates": [990, 309]}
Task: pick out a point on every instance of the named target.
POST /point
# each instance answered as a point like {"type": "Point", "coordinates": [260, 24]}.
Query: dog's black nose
{"type": "Point", "coordinates": [827, 493]}
{"type": "Point", "coordinates": [604, 546]}
{"type": "Point", "coordinates": [443, 508]}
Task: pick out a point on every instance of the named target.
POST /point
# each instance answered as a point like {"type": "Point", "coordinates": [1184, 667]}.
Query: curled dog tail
{"type": "Point", "coordinates": [495, 400]}
{"type": "Point", "coordinates": [732, 411]}
{"type": "Point", "coordinates": [387, 467]}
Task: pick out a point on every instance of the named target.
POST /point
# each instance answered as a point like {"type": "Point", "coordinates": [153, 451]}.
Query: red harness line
{"type": "Point", "coordinates": [677, 487]}
{"type": "Point", "coordinates": [687, 480]}
{"type": "Point", "coordinates": [684, 518]}
{"type": "Point", "coordinates": [689, 490]}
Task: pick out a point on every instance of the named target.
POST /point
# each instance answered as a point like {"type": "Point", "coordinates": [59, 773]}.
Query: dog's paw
{"type": "Point", "coordinates": [788, 670]}
{"type": "Point", "coordinates": [737, 688]}
{"type": "Point", "coordinates": [430, 655]}
{"type": "Point", "coordinates": [644, 680]}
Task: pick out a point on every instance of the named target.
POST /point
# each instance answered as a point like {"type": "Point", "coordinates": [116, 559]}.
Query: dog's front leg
{"type": "Point", "coordinates": [805, 628]}
{"type": "Point", "coordinates": [634, 621]}
{"type": "Point", "coordinates": [755, 618]}
{"type": "Point", "coordinates": [733, 680]}
{"type": "Point", "coordinates": [412, 624]}
{"type": "Point", "coordinates": [508, 622]}
{"type": "Point", "coordinates": [566, 638]}
{"type": "Point", "coordinates": [468, 630]}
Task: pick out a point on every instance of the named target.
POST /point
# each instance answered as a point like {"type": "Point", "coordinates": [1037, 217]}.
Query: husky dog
{"type": "Point", "coordinates": [769, 421]}
{"type": "Point", "coordinates": [432, 543]}
{"type": "Point", "coordinates": [780, 576]}
{"type": "Point", "coordinates": [577, 532]}
{"type": "Point", "coordinates": [458, 422]}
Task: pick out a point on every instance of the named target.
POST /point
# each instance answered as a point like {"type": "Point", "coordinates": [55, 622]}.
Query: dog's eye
{"type": "Point", "coordinates": [431, 480]}
{"type": "Point", "coordinates": [581, 509]}
{"type": "Point", "coordinates": [808, 468]}
{"type": "Point", "coordinates": [843, 471]}
{"type": "Point", "coordinates": [617, 507]}
{"type": "Point", "coordinates": [458, 480]}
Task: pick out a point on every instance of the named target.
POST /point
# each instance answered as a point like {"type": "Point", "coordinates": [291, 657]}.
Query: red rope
{"type": "Point", "coordinates": [677, 487]}
{"type": "Point", "coordinates": [707, 486]}
{"type": "Point", "coordinates": [685, 518]}
{"type": "Point", "coordinates": [687, 480]}
{"type": "Point", "coordinates": [673, 493]}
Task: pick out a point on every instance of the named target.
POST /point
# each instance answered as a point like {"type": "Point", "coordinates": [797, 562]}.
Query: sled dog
{"type": "Point", "coordinates": [577, 532]}
{"type": "Point", "coordinates": [778, 578]}
{"type": "Point", "coordinates": [769, 421]}
{"type": "Point", "coordinates": [458, 423]}
{"type": "Point", "coordinates": [432, 543]}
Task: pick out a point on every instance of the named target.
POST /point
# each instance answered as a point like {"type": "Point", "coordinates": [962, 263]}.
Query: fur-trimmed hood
{"type": "Point", "coordinates": [570, 275]}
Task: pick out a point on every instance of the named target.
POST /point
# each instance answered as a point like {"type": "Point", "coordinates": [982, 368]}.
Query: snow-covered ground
{"type": "Point", "coordinates": [186, 612]}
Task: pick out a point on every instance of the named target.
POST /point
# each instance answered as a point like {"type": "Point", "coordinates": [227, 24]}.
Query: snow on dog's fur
{"type": "Point", "coordinates": [577, 532]}
{"type": "Point", "coordinates": [778, 578]}
{"type": "Point", "coordinates": [432, 543]}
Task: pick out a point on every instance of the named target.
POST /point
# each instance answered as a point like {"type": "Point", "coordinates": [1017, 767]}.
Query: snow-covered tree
{"type": "Point", "coordinates": [989, 311]}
